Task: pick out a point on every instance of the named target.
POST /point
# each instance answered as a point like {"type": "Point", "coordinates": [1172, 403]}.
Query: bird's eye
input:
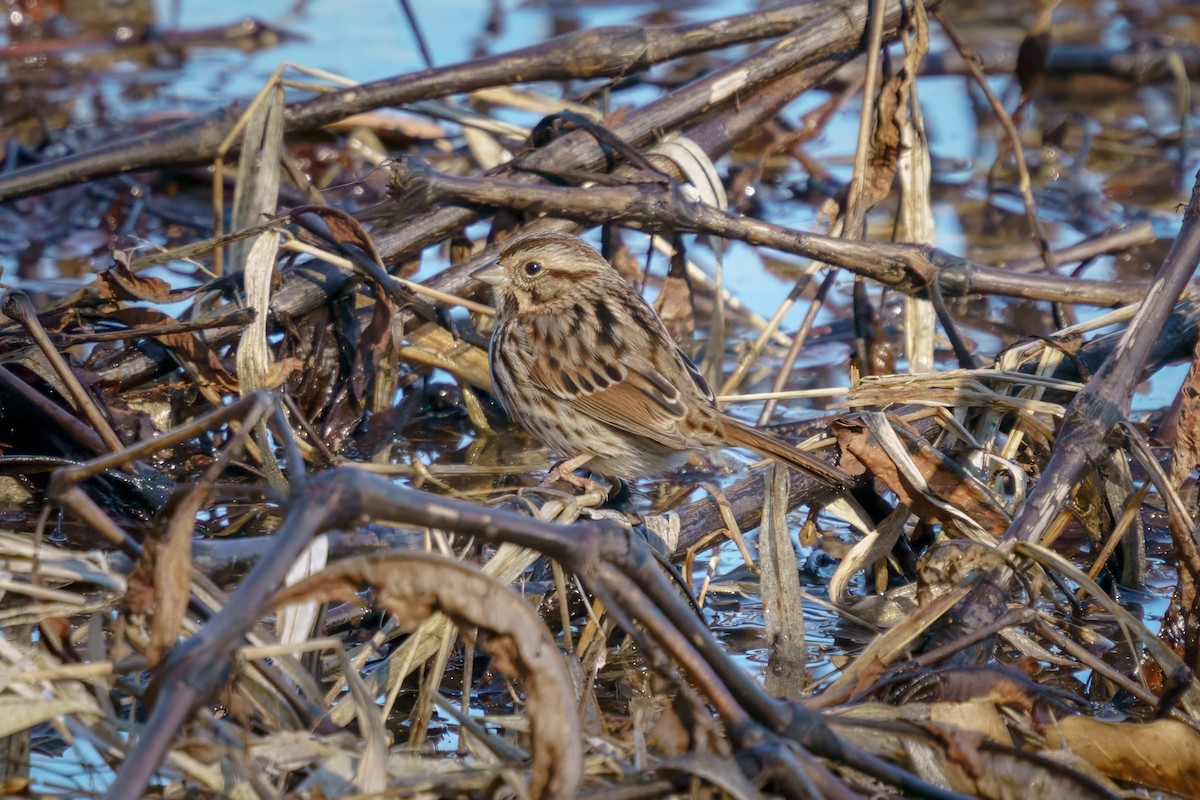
{"type": "Point", "coordinates": [533, 268]}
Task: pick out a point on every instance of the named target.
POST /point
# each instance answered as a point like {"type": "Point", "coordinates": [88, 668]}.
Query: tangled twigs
{"type": "Point", "coordinates": [64, 483]}
{"type": "Point", "coordinates": [588, 54]}
{"type": "Point", "coordinates": [194, 670]}
{"type": "Point", "coordinates": [1095, 413]}
{"type": "Point", "coordinates": [169, 559]}
{"type": "Point", "coordinates": [17, 306]}
{"type": "Point", "coordinates": [617, 566]}
{"type": "Point", "coordinates": [734, 100]}
{"type": "Point", "coordinates": [699, 519]}
{"type": "Point", "coordinates": [1104, 402]}
{"type": "Point", "coordinates": [789, 66]}
{"type": "Point", "coordinates": [149, 637]}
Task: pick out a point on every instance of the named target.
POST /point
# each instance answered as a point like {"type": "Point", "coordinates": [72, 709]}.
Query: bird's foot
{"type": "Point", "coordinates": [564, 472]}
{"type": "Point", "coordinates": [568, 494]}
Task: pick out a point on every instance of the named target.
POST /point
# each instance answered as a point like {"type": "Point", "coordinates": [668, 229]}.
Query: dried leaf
{"type": "Point", "coordinates": [945, 481]}
{"type": "Point", "coordinates": [915, 172]}
{"type": "Point", "coordinates": [1034, 53]}
{"type": "Point", "coordinates": [120, 283]}
{"type": "Point", "coordinates": [377, 352]}
{"type": "Point", "coordinates": [783, 605]}
{"type": "Point", "coordinates": [1162, 755]}
{"type": "Point", "coordinates": [187, 346]}
{"type": "Point", "coordinates": [675, 304]}
{"type": "Point", "coordinates": [876, 545]}
{"type": "Point", "coordinates": [253, 354]}
{"type": "Point", "coordinates": [1185, 455]}
{"type": "Point", "coordinates": [993, 683]}
{"type": "Point", "coordinates": [171, 559]}
{"type": "Point", "coordinates": [297, 622]}
{"type": "Point", "coordinates": [256, 194]}
{"type": "Point", "coordinates": [412, 586]}
{"type": "Point", "coordinates": [961, 747]}
{"type": "Point", "coordinates": [344, 228]}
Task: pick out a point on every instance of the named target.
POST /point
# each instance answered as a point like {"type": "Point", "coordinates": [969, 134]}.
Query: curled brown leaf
{"type": "Point", "coordinates": [412, 586]}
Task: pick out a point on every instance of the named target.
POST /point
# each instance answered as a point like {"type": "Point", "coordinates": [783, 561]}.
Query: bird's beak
{"type": "Point", "coordinates": [493, 274]}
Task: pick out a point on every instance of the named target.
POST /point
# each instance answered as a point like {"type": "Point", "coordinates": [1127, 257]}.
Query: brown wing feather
{"type": "Point", "coordinates": [701, 385]}
{"type": "Point", "coordinates": [629, 397]}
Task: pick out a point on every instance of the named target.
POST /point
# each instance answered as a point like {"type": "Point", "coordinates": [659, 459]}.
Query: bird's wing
{"type": "Point", "coordinates": [630, 395]}
{"type": "Point", "coordinates": [698, 379]}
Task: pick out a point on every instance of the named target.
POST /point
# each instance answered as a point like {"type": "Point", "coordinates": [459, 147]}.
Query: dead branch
{"type": "Point", "coordinates": [657, 208]}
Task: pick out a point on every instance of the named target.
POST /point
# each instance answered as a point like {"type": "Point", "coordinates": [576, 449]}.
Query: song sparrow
{"type": "Point", "coordinates": [584, 364]}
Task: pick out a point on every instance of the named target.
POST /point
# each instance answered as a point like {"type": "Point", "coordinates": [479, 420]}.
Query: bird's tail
{"type": "Point", "coordinates": [743, 435]}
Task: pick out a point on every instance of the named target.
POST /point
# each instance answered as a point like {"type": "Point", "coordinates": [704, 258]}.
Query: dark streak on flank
{"type": "Point", "coordinates": [640, 313]}
{"type": "Point", "coordinates": [506, 304]}
{"type": "Point", "coordinates": [504, 361]}
{"type": "Point", "coordinates": [608, 326]}
{"type": "Point", "coordinates": [541, 335]}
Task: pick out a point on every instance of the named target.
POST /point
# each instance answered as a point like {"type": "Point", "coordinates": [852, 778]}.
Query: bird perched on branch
{"type": "Point", "coordinates": [583, 363]}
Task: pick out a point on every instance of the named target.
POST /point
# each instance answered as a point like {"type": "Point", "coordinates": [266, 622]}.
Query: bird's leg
{"type": "Point", "coordinates": [564, 505]}
{"type": "Point", "coordinates": [568, 505]}
{"type": "Point", "coordinates": [565, 471]}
